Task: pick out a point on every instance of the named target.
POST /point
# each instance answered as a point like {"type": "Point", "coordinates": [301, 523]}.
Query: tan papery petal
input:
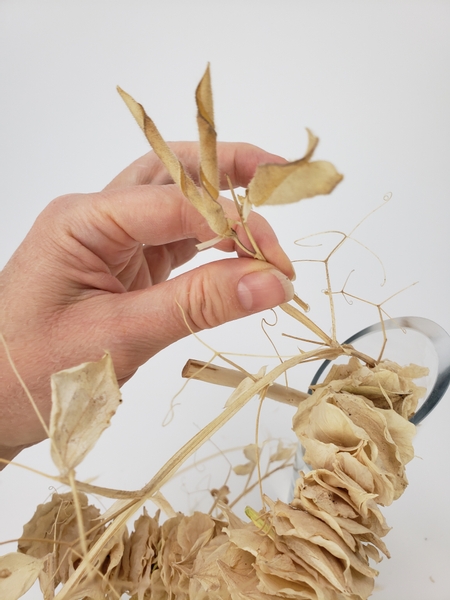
{"type": "Point", "coordinates": [84, 399]}
{"type": "Point", "coordinates": [211, 210]}
{"type": "Point", "coordinates": [294, 181]}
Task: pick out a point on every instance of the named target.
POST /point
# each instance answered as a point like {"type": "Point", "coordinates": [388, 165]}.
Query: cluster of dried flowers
{"type": "Point", "coordinates": [357, 438]}
{"type": "Point", "coordinates": [354, 429]}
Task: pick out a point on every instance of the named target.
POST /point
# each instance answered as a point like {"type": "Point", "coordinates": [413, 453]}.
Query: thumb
{"type": "Point", "coordinates": [203, 298]}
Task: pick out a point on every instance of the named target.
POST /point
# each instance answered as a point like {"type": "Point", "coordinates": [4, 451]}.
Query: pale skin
{"type": "Point", "coordinates": [92, 275]}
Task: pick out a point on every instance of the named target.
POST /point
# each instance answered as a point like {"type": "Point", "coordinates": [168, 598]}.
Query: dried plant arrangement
{"type": "Point", "coordinates": [354, 428]}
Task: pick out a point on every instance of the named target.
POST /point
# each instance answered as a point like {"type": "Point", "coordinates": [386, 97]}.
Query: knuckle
{"type": "Point", "coordinates": [60, 204]}
{"type": "Point", "coordinates": [58, 211]}
{"type": "Point", "coordinates": [207, 306]}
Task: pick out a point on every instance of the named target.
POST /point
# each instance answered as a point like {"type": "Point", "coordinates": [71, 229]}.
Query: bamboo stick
{"type": "Point", "coordinates": [197, 369]}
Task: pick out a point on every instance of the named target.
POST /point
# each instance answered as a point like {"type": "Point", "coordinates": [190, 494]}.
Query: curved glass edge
{"type": "Point", "coordinates": [441, 343]}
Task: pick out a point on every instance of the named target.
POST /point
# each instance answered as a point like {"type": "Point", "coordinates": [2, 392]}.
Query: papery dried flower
{"type": "Point", "coordinates": [54, 524]}
{"type": "Point", "coordinates": [181, 539]}
{"type": "Point", "coordinates": [140, 556]}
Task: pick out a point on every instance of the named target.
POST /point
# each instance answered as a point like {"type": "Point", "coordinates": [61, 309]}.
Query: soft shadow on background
{"type": "Point", "coordinates": [370, 79]}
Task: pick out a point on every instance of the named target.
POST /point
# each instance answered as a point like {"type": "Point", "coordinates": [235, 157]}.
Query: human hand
{"type": "Point", "coordinates": [91, 276]}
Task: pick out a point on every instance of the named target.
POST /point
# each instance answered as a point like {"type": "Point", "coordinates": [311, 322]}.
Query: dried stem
{"type": "Point", "coordinates": [299, 316]}
{"type": "Point", "coordinates": [254, 485]}
{"type": "Point", "coordinates": [196, 369]}
{"type": "Point", "coordinates": [78, 512]}
{"type": "Point", "coordinates": [258, 455]}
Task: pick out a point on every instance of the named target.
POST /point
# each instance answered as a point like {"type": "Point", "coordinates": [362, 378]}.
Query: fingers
{"type": "Point", "coordinates": [205, 297]}
{"type": "Point", "coordinates": [113, 224]}
{"type": "Point", "coordinates": [237, 160]}
{"type": "Point", "coordinates": [161, 260]}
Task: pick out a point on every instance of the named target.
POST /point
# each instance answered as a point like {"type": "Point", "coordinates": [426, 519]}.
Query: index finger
{"type": "Point", "coordinates": [112, 224]}
{"type": "Point", "coordinates": [237, 160]}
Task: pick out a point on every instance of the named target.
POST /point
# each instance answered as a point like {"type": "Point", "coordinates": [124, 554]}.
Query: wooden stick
{"type": "Point", "coordinates": [197, 369]}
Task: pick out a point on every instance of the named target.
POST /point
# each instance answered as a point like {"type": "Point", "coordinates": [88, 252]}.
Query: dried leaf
{"type": "Point", "coordinates": [283, 452]}
{"type": "Point", "coordinates": [206, 581]}
{"type": "Point", "coordinates": [244, 469]}
{"type": "Point", "coordinates": [241, 578]}
{"type": "Point", "coordinates": [104, 581]}
{"type": "Point", "coordinates": [221, 495]}
{"type": "Point", "coordinates": [140, 555]}
{"type": "Point", "coordinates": [181, 540]}
{"type": "Point", "coordinates": [251, 452]}
{"type": "Point", "coordinates": [281, 577]}
{"type": "Point", "coordinates": [209, 172]}
{"type": "Point", "coordinates": [84, 400]}
{"type": "Point", "coordinates": [53, 529]}
{"type": "Point", "coordinates": [211, 210]}
{"type": "Point", "coordinates": [288, 521]}
{"type": "Point", "coordinates": [336, 509]}
{"type": "Point", "coordinates": [17, 574]}
{"type": "Point", "coordinates": [294, 181]}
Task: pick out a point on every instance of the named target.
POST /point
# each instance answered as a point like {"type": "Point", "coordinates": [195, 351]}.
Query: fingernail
{"type": "Point", "coordinates": [264, 289]}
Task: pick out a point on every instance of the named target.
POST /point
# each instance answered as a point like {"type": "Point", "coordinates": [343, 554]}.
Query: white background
{"type": "Point", "coordinates": [370, 78]}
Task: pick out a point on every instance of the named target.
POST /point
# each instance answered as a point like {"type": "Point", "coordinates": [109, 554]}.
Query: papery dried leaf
{"type": "Point", "coordinates": [294, 181]}
{"type": "Point", "coordinates": [108, 572]}
{"type": "Point", "coordinates": [385, 462]}
{"type": "Point", "coordinates": [338, 482]}
{"type": "Point", "coordinates": [283, 452]}
{"type": "Point", "coordinates": [330, 425]}
{"type": "Point", "coordinates": [17, 574]}
{"type": "Point", "coordinates": [84, 399]}
{"type": "Point", "coordinates": [241, 579]}
{"type": "Point", "coordinates": [47, 577]}
{"type": "Point", "coordinates": [337, 510]}
{"type": "Point", "coordinates": [252, 540]}
{"type": "Point", "coordinates": [348, 424]}
{"type": "Point", "coordinates": [308, 557]}
{"type": "Point", "coordinates": [244, 469]}
{"type": "Point", "coordinates": [157, 588]}
{"type": "Point", "coordinates": [140, 555]}
{"type": "Point", "coordinates": [209, 172]}
{"type": "Point", "coordinates": [206, 579]}
{"type": "Point", "coordinates": [251, 452]}
{"type": "Point", "coordinates": [194, 532]}
{"type": "Point", "coordinates": [281, 577]}
{"type": "Point", "coordinates": [402, 433]}
{"type": "Point", "coordinates": [327, 506]}
{"type": "Point", "coordinates": [343, 371]}
{"type": "Point", "coordinates": [386, 379]}
{"type": "Point", "coordinates": [221, 494]}
{"type": "Point", "coordinates": [211, 210]}
{"type": "Point", "coordinates": [277, 572]}
{"type": "Point", "coordinates": [316, 558]}
{"type": "Point", "coordinates": [53, 530]}
{"type": "Point", "coordinates": [181, 540]}
{"type": "Point", "coordinates": [288, 521]}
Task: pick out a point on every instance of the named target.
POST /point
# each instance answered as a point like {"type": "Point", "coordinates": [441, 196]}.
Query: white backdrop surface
{"type": "Point", "coordinates": [370, 78]}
